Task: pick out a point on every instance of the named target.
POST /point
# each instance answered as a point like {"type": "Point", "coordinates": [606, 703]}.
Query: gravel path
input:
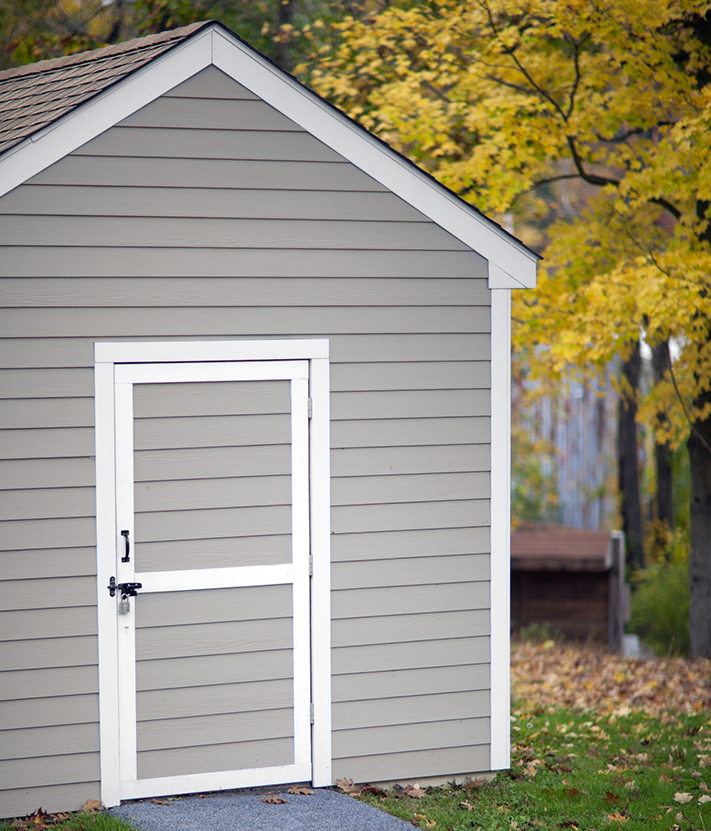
{"type": "Point", "coordinates": [245, 810]}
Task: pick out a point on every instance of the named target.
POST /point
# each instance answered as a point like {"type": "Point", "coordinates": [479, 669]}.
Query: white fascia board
{"type": "Point", "coordinates": [89, 120]}
{"type": "Point", "coordinates": [372, 157]}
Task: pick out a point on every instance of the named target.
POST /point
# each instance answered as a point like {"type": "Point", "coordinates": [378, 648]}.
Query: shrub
{"type": "Point", "coordinates": [660, 607]}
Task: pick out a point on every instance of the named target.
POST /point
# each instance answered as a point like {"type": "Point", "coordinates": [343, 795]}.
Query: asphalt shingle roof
{"type": "Point", "coordinates": [33, 96]}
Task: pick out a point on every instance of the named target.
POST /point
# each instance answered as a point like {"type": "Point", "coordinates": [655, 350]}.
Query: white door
{"type": "Point", "coordinates": [212, 519]}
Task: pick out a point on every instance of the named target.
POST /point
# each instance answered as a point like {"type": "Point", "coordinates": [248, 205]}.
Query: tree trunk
{"type": "Point", "coordinates": [700, 555]}
{"type": "Point", "coordinates": [282, 56]}
{"type": "Point", "coordinates": [662, 452]}
{"type": "Point", "coordinates": [628, 462]}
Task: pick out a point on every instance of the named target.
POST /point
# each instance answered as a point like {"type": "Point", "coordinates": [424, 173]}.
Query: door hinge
{"type": "Point", "coordinates": [312, 714]}
{"type": "Point", "coordinates": [310, 407]}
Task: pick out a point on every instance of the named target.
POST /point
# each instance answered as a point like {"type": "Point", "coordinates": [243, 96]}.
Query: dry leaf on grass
{"type": "Point", "coordinates": [275, 800]}
{"type": "Point", "coordinates": [419, 817]}
{"type": "Point", "coordinates": [617, 817]}
{"type": "Point", "coordinates": [705, 798]}
{"type": "Point", "coordinates": [414, 790]}
{"type": "Point", "coordinates": [92, 805]}
{"type": "Point", "coordinates": [682, 798]}
{"type": "Point", "coordinates": [466, 805]}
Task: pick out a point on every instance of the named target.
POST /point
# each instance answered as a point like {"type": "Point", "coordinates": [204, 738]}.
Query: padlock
{"type": "Point", "coordinates": [124, 606]}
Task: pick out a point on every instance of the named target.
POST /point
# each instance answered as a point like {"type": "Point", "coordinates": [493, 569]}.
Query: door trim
{"type": "Point", "coordinates": [108, 358]}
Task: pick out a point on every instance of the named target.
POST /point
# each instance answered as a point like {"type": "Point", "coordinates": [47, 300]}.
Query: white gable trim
{"type": "Point", "coordinates": [511, 264]}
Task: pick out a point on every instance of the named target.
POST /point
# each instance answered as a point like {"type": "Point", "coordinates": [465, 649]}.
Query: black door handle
{"type": "Point", "coordinates": [126, 558]}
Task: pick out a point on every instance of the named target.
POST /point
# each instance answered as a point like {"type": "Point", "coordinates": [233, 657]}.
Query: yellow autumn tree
{"type": "Point", "coordinates": [588, 123]}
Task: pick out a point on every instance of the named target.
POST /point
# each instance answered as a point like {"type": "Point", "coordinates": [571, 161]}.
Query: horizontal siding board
{"type": "Point", "coordinates": [47, 503]}
{"type": "Point", "coordinates": [46, 473]}
{"type": "Point", "coordinates": [208, 398]}
{"type": "Point", "coordinates": [175, 555]}
{"type": "Point", "coordinates": [401, 432]}
{"type": "Point", "coordinates": [186, 322]}
{"type": "Point", "coordinates": [414, 765]}
{"type": "Point", "coordinates": [76, 352]}
{"type": "Point", "coordinates": [64, 261]}
{"type": "Point", "coordinates": [165, 292]}
{"type": "Point", "coordinates": [48, 623]}
{"type": "Point", "coordinates": [248, 491]}
{"type": "Point", "coordinates": [202, 462]}
{"type": "Point", "coordinates": [45, 712]}
{"type": "Point", "coordinates": [215, 729]}
{"type": "Point", "coordinates": [382, 657]}
{"type": "Point", "coordinates": [230, 638]}
{"type": "Point", "coordinates": [60, 442]}
{"type": "Point", "coordinates": [53, 799]}
{"type": "Point", "coordinates": [219, 698]}
{"type": "Point", "coordinates": [422, 571]}
{"type": "Point", "coordinates": [205, 173]}
{"type": "Point", "coordinates": [46, 412]}
{"type": "Point", "coordinates": [394, 461]}
{"type": "Point", "coordinates": [218, 522]}
{"type": "Point", "coordinates": [43, 533]}
{"type": "Point", "coordinates": [441, 375]}
{"type": "Point", "coordinates": [50, 562]}
{"type": "Point", "coordinates": [211, 431]}
{"type": "Point", "coordinates": [413, 709]}
{"type": "Point", "coordinates": [48, 683]}
{"type": "Point", "coordinates": [215, 757]}
{"type": "Point", "coordinates": [49, 770]}
{"type": "Point", "coordinates": [408, 600]}
{"type": "Point", "coordinates": [198, 232]}
{"type": "Point", "coordinates": [211, 83]}
{"type": "Point", "coordinates": [47, 593]}
{"type": "Point", "coordinates": [180, 672]}
{"type": "Point", "coordinates": [263, 142]}
{"type": "Point", "coordinates": [371, 686]}
{"type": "Point", "coordinates": [408, 404]}
{"type": "Point", "coordinates": [211, 113]}
{"type": "Point", "coordinates": [399, 544]}
{"type": "Point", "coordinates": [429, 487]}
{"type": "Point", "coordinates": [403, 628]}
{"type": "Point", "coordinates": [44, 741]}
{"type": "Point", "coordinates": [403, 737]}
{"type": "Point", "coordinates": [214, 605]}
{"type": "Point", "coordinates": [46, 383]}
{"type": "Point", "coordinates": [89, 200]}
{"type": "Point", "coordinates": [410, 515]}
{"type": "Point", "coordinates": [45, 653]}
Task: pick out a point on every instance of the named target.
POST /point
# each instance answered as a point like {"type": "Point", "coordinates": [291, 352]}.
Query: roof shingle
{"type": "Point", "coordinates": [35, 95]}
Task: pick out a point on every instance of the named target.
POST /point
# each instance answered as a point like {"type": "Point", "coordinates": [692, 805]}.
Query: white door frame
{"type": "Point", "coordinates": [108, 358]}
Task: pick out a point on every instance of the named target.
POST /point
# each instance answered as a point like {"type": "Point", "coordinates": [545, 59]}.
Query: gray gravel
{"type": "Point", "coordinates": [245, 810]}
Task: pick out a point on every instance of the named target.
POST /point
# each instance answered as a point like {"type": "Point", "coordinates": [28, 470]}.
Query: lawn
{"type": "Point", "coordinates": [598, 742]}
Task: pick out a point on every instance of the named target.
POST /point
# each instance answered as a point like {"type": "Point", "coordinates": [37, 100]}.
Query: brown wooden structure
{"type": "Point", "coordinates": [571, 580]}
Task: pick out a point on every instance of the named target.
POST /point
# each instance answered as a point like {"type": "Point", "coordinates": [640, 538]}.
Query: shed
{"type": "Point", "coordinates": [571, 580]}
{"type": "Point", "coordinates": [255, 438]}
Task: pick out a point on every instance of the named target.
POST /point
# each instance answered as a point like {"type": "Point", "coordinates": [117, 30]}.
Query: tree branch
{"type": "Point", "coordinates": [683, 405]}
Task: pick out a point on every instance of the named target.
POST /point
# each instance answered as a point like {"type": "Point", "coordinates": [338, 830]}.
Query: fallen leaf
{"type": "Point", "coordinates": [92, 805]}
{"type": "Point", "coordinates": [630, 786]}
{"type": "Point", "coordinates": [275, 800]}
{"type": "Point", "coordinates": [419, 817]}
{"type": "Point", "coordinates": [705, 798]}
{"type": "Point", "coordinates": [414, 790]}
{"type": "Point", "coordinates": [430, 823]}
{"type": "Point", "coordinates": [682, 798]}
{"type": "Point", "coordinates": [300, 791]}
{"type": "Point", "coordinates": [664, 778]}
{"type": "Point", "coordinates": [679, 817]}
{"type": "Point", "coordinates": [161, 802]}
{"type": "Point", "coordinates": [617, 817]}
{"type": "Point", "coordinates": [610, 797]}
{"type": "Point", "coordinates": [466, 805]}
{"type": "Point", "coordinates": [572, 792]}
{"type": "Point", "coordinates": [347, 786]}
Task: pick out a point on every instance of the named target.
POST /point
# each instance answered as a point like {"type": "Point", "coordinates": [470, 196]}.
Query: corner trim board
{"type": "Point", "coordinates": [500, 528]}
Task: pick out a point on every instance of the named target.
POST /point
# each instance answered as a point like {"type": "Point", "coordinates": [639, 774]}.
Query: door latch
{"type": "Point", "coordinates": [126, 589]}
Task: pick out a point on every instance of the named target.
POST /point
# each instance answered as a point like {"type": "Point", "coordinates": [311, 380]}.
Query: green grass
{"type": "Point", "coordinates": [80, 821]}
{"type": "Point", "coordinates": [580, 771]}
